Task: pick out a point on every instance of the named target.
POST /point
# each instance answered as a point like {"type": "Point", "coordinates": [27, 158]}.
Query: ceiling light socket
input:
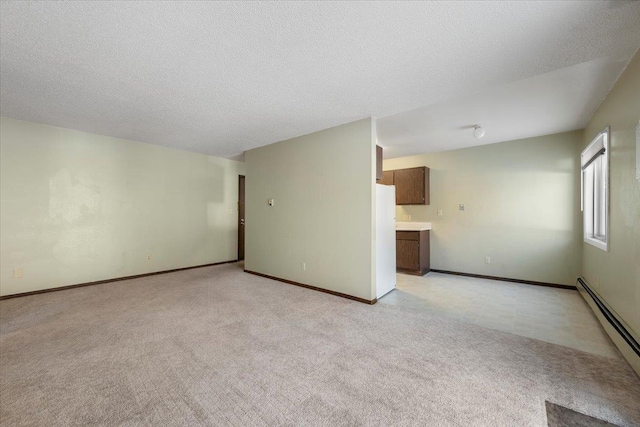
{"type": "Point", "coordinates": [478, 131]}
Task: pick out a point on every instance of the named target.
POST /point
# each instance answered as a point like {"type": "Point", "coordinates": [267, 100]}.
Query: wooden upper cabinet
{"type": "Point", "coordinates": [412, 186]}
{"type": "Point", "coordinates": [387, 178]}
{"type": "Point", "coordinates": [378, 163]}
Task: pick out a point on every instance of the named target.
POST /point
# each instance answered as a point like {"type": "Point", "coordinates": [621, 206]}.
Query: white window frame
{"type": "Point", "coordinates": [594, 162]}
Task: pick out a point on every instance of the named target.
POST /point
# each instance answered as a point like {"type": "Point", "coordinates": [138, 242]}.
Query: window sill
{"type": "Point", "coordinates": [597, 243]}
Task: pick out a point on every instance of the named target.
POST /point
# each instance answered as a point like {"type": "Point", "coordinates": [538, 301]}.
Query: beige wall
{"type": "Point", "coordinates": [78, 207]}
{"type": "Point", "coordinates": [522, 208]}
{"type": "Point", "coordinates": [323, 187]}
{"type": "Point", "coordinates": [615, 275]}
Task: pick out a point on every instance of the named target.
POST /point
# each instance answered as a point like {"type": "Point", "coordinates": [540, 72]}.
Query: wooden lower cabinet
{"type": "Point", "coordinates": [413, 252]}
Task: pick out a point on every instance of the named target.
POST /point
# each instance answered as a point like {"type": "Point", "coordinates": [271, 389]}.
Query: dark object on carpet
{"type": "Point", "coordinates": [559, 416]}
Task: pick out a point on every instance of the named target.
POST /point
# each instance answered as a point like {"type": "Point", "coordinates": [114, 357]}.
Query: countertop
{"type": "Point", "coordinates": [413, 226]}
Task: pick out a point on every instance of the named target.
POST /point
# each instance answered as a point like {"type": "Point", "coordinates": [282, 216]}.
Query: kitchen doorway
{"type": "Point", "coordinates": [240, 217]}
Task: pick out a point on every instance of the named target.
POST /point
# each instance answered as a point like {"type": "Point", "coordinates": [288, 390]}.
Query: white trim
{"type": "Point", "coordinates": [594, 191]}
{"type": "Point", "coordinates": [597, 243]}
{"type": "Point", "coordinates": [599, 143]}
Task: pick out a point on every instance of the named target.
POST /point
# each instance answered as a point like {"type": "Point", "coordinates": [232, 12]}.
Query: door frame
{"type": "Point", "coordinates": [241, 214]}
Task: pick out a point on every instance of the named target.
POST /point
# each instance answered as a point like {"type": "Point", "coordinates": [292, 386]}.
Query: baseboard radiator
{"type": "Point", "coordinates": [610, 317]}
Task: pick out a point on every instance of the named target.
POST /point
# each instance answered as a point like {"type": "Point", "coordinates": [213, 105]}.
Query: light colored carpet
{"type": "Point", "coordinates": [216, 346]}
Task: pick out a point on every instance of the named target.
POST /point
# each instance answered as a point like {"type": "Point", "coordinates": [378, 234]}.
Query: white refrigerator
{"type": "Point", "coordinates": [385, 239]}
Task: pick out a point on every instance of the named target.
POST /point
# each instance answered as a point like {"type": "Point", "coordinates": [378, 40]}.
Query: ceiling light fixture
{"type": "Point", "coordinates": [478, 131]}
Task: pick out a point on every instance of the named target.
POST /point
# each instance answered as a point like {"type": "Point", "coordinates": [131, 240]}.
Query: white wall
{"type": "Point", "coordinates": [522, 208]}
{"type": "Point", "coordinates": [323, 185]}
{"type": "Point", "coordinates": [615, 274]}
{"type": "Point", "coordinates": [78, 207]}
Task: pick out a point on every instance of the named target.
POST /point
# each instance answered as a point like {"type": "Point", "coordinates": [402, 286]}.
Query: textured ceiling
{"type": "Point", "coordinates": [221, 78]}
{"type": "Point", "coordinates": [554, 102]}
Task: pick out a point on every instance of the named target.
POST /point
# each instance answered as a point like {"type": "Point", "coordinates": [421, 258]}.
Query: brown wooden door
{"type": "Point", "coordinates": [378, 163]}
{"type": "Point", "coordinates": [241, 217]}
{"type": "Point", "coordinates": [408, 254]}
{"type": "Point", "coordinates": [410, 186]}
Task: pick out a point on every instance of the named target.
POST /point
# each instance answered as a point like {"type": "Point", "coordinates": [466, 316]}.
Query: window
{"type": "Point", "coordinates": [595, 192]}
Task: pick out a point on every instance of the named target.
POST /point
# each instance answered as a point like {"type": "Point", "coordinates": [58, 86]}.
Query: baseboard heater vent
{"type": "Point", "coordinates": [611, 318]}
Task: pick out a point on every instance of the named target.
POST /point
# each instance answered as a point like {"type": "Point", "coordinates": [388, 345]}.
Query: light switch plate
{"type": "Point", "coordinates": [439, 212]}
{"type": "Point", "coordinates": [271, 202]}
{"type": "Point", "coordinates": [461, 206]}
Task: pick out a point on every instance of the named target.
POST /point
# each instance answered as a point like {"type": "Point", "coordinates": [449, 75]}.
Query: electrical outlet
{"type": "Point", "coordinates": [148, 257]}
{"type": "Point", "coordinates": [17, 273]}
{"type": "Point", "coordinates": [487, 260]}
{"type": "Point", "coordinates": [461, 206]}
{"type": "Point", "coordinates": [271, 202]}
{"type": "Point", "coordinates": [304, 266]}
{"type": "Point", "coordinates": [439, 212]}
